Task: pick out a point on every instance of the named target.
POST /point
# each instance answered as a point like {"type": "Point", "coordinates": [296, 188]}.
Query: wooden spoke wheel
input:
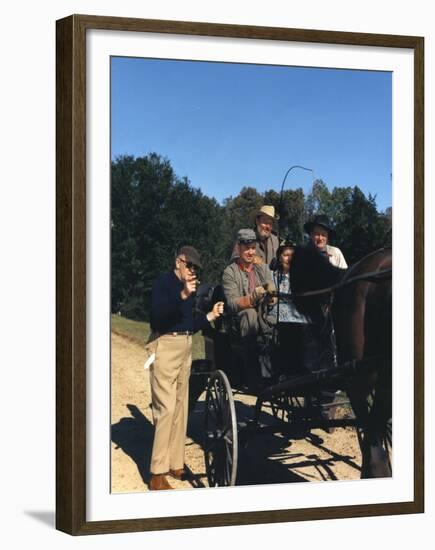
{"type": "Point", "coordinates": [221, 443]}
{"type": "Point", "coordinates": [284, 407]}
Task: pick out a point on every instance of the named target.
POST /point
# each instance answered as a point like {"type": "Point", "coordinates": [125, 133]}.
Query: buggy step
{"type": "Point", "coordinates": [319, 378]}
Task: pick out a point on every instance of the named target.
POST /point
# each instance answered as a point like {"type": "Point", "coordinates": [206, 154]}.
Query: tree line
{"type": "Point", "coordinates": [154, 212]}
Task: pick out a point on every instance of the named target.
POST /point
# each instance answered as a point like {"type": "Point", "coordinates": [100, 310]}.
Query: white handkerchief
{"type": "Point", "coordinates": [149, 361]}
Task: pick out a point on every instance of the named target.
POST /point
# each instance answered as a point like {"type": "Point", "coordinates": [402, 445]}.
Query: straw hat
{"type": "Point", "coordinates": [266, 210]}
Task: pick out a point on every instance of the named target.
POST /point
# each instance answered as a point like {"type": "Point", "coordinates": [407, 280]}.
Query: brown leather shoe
{"type": "Point", "coordinates": [158, 482]}
{"type": "Point", "coordinates": [178, 474]}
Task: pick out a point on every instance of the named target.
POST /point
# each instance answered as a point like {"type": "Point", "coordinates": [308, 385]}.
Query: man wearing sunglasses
{"type": "Point", "coordinates": [173, 321]}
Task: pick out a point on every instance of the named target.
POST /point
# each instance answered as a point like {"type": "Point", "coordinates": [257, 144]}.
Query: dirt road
{"type": "Point", "coordinates": [266, 459]}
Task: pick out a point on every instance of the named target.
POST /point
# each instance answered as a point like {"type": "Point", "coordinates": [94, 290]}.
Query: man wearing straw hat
{"type": "Point", "coordinates": [266, 240]}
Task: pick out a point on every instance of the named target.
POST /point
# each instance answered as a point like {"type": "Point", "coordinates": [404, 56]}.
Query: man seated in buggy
{"type": "Point", "coordinates": [246, 282]}
{"type": "Point", "coordinates": [319, 338]}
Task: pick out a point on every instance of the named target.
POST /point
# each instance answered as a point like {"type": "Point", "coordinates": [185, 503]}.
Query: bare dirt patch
{"type": "Point", "coordinates": [272, 458]}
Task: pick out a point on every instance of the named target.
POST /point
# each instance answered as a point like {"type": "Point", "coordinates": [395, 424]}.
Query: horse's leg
{"type": "Point", "coordinates": [375, 461]}
{"type": "Point", "coordinates": [370, 398]}
{"type": "Point", "coordinates": [358, 399]}
{"type": "Point", "coordinates": [365, 453]}
{"type": "Point", "coordinates": [378, 345]}
{"type": "Point", "coordinates": [352, 343]}
{"type": "Point", "coordinates": [380, 416]}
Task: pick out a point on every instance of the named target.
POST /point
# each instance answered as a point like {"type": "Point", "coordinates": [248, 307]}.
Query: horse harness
{"type": "Point", "coordinates": [326, 308]}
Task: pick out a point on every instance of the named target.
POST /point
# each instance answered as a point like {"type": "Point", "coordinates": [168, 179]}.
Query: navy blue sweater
{"type": "Point", "coordinates": [169, 312]}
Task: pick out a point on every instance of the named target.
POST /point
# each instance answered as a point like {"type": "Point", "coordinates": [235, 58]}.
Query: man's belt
{"type": "Point", "coordinates": [180, 333]}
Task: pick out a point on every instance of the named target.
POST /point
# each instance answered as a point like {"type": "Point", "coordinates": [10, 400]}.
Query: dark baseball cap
{"type": "Point", "coordinates": [191, 255]}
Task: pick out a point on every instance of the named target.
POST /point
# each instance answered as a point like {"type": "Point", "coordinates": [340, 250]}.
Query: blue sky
{"type": "Point", "coordinates": [225, 126]}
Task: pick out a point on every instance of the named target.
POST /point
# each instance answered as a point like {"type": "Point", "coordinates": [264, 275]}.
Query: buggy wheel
{"type": "Point", "coordinates": [285, 407]}
{"type": "Point", "coordinates": [220, 442]}
{"type": "Point", "coordinates": [198, 380]}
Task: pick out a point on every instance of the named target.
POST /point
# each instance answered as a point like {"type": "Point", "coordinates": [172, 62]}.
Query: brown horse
{"type": "Point", "coordinates": [362, 313]}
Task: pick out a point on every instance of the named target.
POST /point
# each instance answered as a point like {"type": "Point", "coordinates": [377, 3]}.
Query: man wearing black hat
{"type": "Point", "coordinates": [320, 232]}
{"type": "Point", "coordinates": [173, 321]}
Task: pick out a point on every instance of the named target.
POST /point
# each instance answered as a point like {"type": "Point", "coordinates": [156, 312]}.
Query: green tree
{"type": "Point", "coordinates": [330, 203]}
{"type": "Point", "coordinates": [139, 189]}
{"type": "Point", "coordinates": [318, 200]}
{"type": "Point", "coordinates": [153, 213]}
{"type": "Point", "coordinates": [290, 210]}
{"type": "Point", "coordinates": [361, 229]}
{"type": "Point", "coordinates": [239, 212]}
{"type": "Point", "coordinates": [340, 199]}
{"type": "Point", "coordinates": [192, 218]}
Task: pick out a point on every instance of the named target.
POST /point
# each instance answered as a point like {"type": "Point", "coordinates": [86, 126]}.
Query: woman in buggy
{"type": "Point", "coordinates": [283, 326]}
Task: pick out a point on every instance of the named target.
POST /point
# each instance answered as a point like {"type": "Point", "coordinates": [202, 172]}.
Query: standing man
{"type": "Point", "coordinates": [265, 238]}
{"type": "Point", "coordinates": [173, 321]}
{"type": "Point", "coordinates": [245, 283]}
{"type": "Point", "coordinates": [320, 232]}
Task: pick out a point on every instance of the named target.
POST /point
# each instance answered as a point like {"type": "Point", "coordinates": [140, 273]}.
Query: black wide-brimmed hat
{"type": "Point", "coordinates": [321, 220]}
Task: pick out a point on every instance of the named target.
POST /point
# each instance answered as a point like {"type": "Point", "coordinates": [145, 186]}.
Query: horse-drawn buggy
{"type": "Point", "coordinates": [355, 359]}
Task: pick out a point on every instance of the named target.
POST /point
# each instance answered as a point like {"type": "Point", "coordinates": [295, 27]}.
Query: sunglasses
{"type": "Point", "coordinates": [190, 265]}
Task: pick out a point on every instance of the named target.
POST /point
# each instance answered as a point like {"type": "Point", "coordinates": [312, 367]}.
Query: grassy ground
{"type": "Point", "coordinates": [139, 332]}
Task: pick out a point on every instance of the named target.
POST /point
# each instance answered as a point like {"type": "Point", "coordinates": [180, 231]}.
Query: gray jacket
{"type": "Point", "coordinates": [235, 282]}
{"type": "Point", "coordinates": [267, 249]}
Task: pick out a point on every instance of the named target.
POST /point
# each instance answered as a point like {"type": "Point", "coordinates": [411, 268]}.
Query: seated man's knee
{"type": "Point", "coordinates": [248, 322]}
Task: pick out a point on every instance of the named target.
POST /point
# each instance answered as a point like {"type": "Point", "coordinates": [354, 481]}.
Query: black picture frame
{"type": "Point", "coordinates": [71, 272]}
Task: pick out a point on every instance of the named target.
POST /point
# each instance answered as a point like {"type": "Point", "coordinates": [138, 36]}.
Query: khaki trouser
{"type": "Point", "coordinates": [151, 345]}
{"type": "Point", "coordinates": [169, 377]}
